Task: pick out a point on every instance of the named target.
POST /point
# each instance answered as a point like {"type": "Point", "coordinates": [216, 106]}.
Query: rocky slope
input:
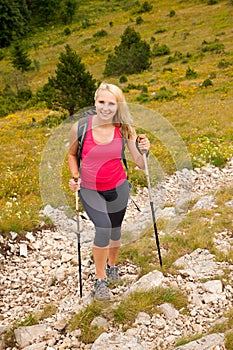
{"type": "Point", "coordinates": [41, 269]}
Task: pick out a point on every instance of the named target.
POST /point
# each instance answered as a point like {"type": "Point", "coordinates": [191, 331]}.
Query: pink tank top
{"type": "Point", "coordinates": [101, 166]}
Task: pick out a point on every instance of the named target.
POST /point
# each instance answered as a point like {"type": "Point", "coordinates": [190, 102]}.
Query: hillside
{"type": "Point", "coordinates": [192, 92]}
{"type": "Point", "coordinates": [184, 103]}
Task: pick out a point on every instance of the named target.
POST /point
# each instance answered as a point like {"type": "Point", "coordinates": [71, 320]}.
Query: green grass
{"type": "Point", "coordinates": [125, 312]}
{"type": "Point", "coordinates": [187, 340]}
{"type": "Point", "coordinates": [83, 320]}
{"type": "Point", "coordinates": [128, 309]}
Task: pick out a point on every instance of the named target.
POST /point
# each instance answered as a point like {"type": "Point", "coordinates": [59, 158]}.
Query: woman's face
{"type": "Point", "coordinates": [106, 105]}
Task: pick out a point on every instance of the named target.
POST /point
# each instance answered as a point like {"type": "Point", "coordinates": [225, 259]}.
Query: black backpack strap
{"type": "Point", "coordinates": [81, 133]}
{"type": "Point", "coordinates": [123, 158]}
{"type": "Point", "coordinates": [82, 129]}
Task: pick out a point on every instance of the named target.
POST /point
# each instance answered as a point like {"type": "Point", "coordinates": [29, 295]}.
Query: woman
{"type": "Point", "coordinates": [102, 181]}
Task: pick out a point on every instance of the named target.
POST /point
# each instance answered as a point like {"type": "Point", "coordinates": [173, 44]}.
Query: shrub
{"type": "Point", "coordinates": [176, 57]}
{"type": "Point", "coordinates": [207, 82]}
{"type": "Point", "coordinates": [167, 70]}
{"type": "Point", "coordinates": [134, 86]}
{"type": "Point", "coordinates": [143, 97]}
{"type": "Point", "coordinates": [123, 79]}
{"type": "Point", "coordinates": [139, 20]}
{"type": "Point", "coordinates": [67, 31]}
{"type": "Point", "coordinates": [190, 73]}
{"type": "Point", "coordinates": [8, 105]}
{"type": "Point", "coordinates": [86, 23]}
{"type": "Point", "coordinates": [52, 121]}
{"type": "Point", "coordinates": [214, 46]}
{"type": "Point", "coordinates": [223, 63]}
{"type": "Point", "coordinates": [172, 13]}
{"type": "Point", "coordinates": [145, 7]}
{"type": "Point", "coordinates": [100, 34]}
{"type": "Point", "coordinates": [160, 31]}
{"type": "Point", "coordinates": [163, 94]}
{"type": "Point", "coordinates": [161, 50]}
{"type": "Point", "coordinates": [24, 94]}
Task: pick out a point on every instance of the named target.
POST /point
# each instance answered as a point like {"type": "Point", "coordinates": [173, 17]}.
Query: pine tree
{"type": "Point", "coordinates": [68, 10]}
{"type": "Point", "coordinates": [20, 59]}
{"type": "Point", "coordinates": [14, 20]}
{"type": "Point", "coordinates": [44, 11]}
{"type": "Point", "coordinates": [72, 87]}
{"type": "Point", "coordinates": [133, 55]}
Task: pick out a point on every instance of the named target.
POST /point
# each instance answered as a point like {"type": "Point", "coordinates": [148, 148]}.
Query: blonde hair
{"type": "Point", "coordinates": [123, 117]}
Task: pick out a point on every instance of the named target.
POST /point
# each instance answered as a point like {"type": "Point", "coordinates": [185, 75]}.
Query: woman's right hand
{"type": "Point", "coordinates": [74, 185]}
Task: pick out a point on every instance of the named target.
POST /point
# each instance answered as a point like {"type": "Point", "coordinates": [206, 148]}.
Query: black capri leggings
{"type": "Point", "coordinates": [106, 209]}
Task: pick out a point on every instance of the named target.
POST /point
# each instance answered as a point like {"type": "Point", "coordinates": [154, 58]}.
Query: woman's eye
{"type": "Point", "coordinates": [110, 104]}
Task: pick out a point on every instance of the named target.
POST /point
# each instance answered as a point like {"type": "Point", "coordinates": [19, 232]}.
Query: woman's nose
{"type": "Point", "coordinates": [105, 106]}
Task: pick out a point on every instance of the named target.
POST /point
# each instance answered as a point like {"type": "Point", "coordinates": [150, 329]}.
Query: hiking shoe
{"type": "Point", "coordinates": [101, 291]}
{"type": "Point", "coordinates": [112, 273]}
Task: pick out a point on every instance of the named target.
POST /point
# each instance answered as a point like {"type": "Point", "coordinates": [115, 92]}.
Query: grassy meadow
{"type": "Point", "coordinates": [191, 88]}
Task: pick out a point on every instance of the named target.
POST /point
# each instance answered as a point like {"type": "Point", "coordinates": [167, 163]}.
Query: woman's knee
{"type": "Point", "coordinates": [116, 234]}
{"type": "Point", "coordinates": [102, 237]}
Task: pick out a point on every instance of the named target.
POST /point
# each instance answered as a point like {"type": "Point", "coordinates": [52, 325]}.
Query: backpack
{"type": "Point", "coordinates": [81, 133]}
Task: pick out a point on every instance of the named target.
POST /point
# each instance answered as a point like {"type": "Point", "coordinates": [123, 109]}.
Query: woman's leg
{"type": "Point", "coordinates": [95, 207]}
{"type": "Point", "coordinates": [113, 251]}
{"type": "Point", "coordinates": [106, 210]}
{"type": "Point", "coordinates": [116, 211]}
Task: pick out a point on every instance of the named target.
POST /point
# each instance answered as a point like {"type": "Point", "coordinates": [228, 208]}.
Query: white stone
{"type": "Point", "coordinates": [213, 286]}
{"type": "Point", "coordinates": [27, 335]}
{"type": "Point", "coordinates": [23, 249]}
{"type": "Point", "coordinates": [100, 322]}
{"type": "Point", "coordinates": [209, 342]}
{"type": "Point", "coordinates": [143, 318]}
{"type": "Point", "coordinates": [169, 311]}
{"type": "Point", "coordinates": [145, 283]}
{"type": "Point", "coordinates": [116, 341]}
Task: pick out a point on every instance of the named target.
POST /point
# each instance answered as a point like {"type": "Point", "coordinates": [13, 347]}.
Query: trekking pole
{"type": "Point", "coordinates": [152, 207]}
{"type": "Point", "coordinates": [79, 246]}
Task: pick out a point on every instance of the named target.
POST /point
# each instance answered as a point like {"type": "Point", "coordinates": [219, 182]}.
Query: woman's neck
{"type": "Point", "coordinates": [98, 122]}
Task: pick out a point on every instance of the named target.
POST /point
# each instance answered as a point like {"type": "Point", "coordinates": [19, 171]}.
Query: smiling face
{"type": "Point", "coordinates": [106, 105]}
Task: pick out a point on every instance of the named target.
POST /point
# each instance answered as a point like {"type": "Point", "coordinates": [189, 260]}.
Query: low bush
{"type": "Point", "coordinates": [212, 46]}
{"type": "Point", "coordinates": [100, 34]}
{"type": "Point", "coordinates": [190, 73]}
{"type": "Point", "coordinates": [160, 50]}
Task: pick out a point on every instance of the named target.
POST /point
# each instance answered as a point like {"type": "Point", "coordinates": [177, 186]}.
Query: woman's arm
{"type": "Point", "coordinates": [143, 145]}
{"type": "Point", "coordinates": [72, 158]}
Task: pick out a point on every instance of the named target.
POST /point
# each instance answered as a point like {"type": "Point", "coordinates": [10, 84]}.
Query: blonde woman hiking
{"type": "Point", "coordinates": [101, 178]}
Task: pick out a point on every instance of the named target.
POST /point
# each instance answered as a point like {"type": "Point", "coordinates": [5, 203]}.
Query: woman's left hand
{"type": "Point", "coordinates": [74, 185]}
{"type": "Point", "coordinates": [143, 143]}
